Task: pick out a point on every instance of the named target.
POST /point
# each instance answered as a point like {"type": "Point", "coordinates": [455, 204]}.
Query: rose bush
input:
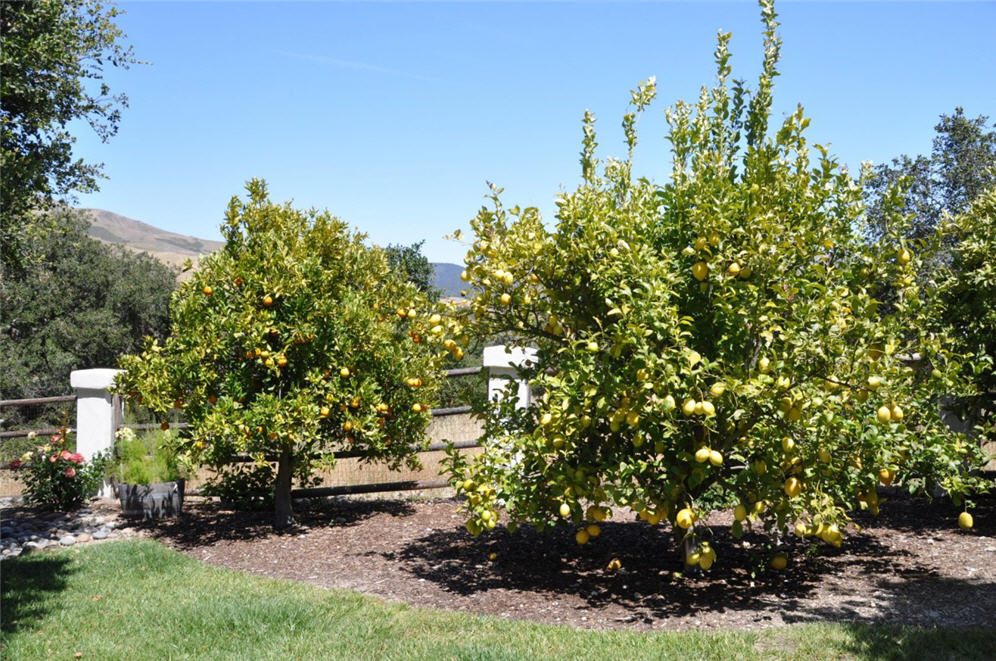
{"type": "Point", "coordinates": [58, 479]}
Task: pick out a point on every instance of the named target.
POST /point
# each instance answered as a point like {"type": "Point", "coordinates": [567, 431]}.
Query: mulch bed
{"type": "Point", "coordinates": [910, 565]}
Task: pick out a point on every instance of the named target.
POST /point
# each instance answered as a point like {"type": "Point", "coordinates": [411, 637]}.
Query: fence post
{"type": "Point", "coordinates": [503, 364]}
{"type": "Point", "coordinates": [97, 410]}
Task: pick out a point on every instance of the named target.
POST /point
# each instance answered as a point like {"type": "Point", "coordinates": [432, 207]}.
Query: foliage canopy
{"type": "Point", "coordinates": [79, 304]}
{"type": "Point", "coordinates": [713, 341]}
{"type": "Point", "coordinates": [294, 341]}
{"type": "Point", "coordinates": [53, 54]}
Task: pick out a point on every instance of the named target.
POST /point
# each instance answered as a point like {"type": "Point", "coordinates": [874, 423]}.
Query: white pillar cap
{"type": "Point", "coordinates": [94, 379]}
{"type": "Point", "coordinates": [500, 357]}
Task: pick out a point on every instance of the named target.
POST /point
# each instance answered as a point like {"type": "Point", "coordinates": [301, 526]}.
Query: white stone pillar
{"type": "Point", "coordinates": [97, 410]}
{"type": "Point", "coordinates": [503, 365]}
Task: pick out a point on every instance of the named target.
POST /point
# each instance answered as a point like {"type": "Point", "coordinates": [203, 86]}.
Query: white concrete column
{"type": "Point", "coordinates": [97, 410]}
{"type": "Point", "coordinates": [503, 365]}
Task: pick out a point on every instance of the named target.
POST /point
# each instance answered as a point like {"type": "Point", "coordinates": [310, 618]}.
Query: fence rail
{"type": "Point", "coordinates": [463, 371]}
{"type": "Point", "coordinates": [34, 401]}
{"type": "Point", "coordinates": [101, 424]}
{"type": "Point", "coordinates": [40, 432]}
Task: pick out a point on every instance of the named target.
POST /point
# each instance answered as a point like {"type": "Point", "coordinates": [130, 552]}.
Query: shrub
{"type": "Point", "coordinates": [710, 342]}
{"type": "Point", "coordinates": [58, 479]}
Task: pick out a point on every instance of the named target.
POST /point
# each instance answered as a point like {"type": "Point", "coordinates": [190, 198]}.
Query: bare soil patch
{"type": "Point", "coordinates": [911, 565]}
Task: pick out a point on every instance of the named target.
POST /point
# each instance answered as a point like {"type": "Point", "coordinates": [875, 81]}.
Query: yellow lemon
{"type": "Point", "coordinates": [884, 414]}
{"type": "Point", "coordinates": [886, 476]}
{"type": "Point", "coordinates": [792, 487]}
{"type": "Point", "coordinates": [700, 270]}
{"type": "Point", "coordinates": [965, 521]}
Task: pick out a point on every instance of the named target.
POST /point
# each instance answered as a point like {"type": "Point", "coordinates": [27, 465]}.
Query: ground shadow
{"type": "Point", "coordinates": [868, 641]}
{"type": "Point", "coordinates": [654, 585]}
{"type": "Point", "coordinates": [26, 583]}
{"type": "Point", "coordinates": [206, 523]}
{"type": "Point", "coordinates": [919, 514]}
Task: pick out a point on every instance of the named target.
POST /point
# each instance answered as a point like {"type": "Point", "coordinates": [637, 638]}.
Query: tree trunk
{"type": "Point", "coordinates": [284, 514]}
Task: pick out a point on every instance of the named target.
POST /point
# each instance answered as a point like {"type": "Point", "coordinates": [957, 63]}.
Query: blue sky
{"type": "Point", "coordinates": [394, 115]}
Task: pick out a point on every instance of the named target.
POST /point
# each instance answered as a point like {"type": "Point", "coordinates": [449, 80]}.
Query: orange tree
{"type": "Point", "coordinates": [294, 341]}
{"type": "Point", "coordinates": [712, 342]}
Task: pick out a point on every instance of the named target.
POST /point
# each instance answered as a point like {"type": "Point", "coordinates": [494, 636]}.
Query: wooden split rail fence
{"type": "Point", "coordinates": [502, 372]}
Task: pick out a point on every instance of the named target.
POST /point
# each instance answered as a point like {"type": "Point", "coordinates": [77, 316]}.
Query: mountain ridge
{"type": "Point", "coordinates": [174, 249]}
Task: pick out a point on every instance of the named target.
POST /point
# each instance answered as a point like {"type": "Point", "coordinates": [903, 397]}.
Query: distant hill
{"type": "Point", "coordinates": [174, 249]}
{"type": "Point", "coordinates": [446, 277]}
{"type": "Point", "coordinates": [169, 247]}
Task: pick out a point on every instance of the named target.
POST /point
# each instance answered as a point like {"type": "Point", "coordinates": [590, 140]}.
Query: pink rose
{"type": "Point", "coordinates": [65, 455]}
{"type": "Point", "coordinates": [77, 457]}
{"type": "Point", "coordinates": [52, 458]}
{"type": "Point", "coordinates": [70, 472]}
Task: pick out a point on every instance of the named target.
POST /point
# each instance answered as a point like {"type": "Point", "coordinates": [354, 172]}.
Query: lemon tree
{"type": "Point", "coordinates": [967, 303]}
{"type": "Point", "coordinates": [715, 341]}
{"type": "Point", "coordinates": [292, 342]}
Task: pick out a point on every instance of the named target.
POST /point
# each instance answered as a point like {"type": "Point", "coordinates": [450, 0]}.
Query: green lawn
{"type": "Point", "coordinates": [139, 600]}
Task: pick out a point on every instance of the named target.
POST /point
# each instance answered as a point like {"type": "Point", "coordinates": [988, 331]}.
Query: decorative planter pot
{"type": "Point", "coordinates": [151, 501]}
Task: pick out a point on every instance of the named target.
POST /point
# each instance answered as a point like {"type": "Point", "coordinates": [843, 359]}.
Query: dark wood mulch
{"type": "Point", "coordinates": [910, 565]}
